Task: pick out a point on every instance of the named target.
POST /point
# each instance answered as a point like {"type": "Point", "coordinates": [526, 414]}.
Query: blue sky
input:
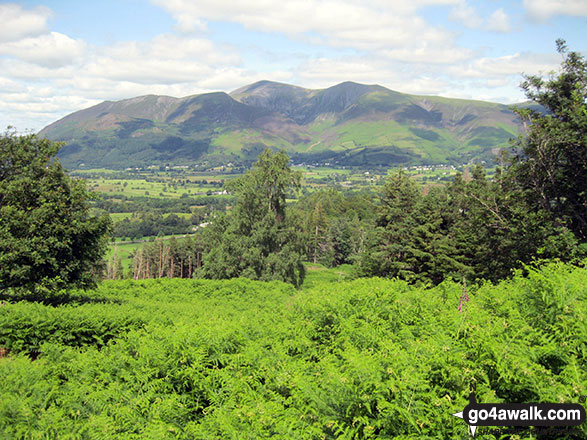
{"type": "Point", "coordinates": [57, 57]}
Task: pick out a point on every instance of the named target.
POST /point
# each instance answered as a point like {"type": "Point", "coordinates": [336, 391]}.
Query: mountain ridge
{"type": "Point", "coordinates": [349, 123]}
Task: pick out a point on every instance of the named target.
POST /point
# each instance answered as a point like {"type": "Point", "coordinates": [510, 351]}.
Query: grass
{"type": "Point", "coordinates": [118, 216]}
{"type": "Point", "coordinates": [235, 141]}
{"type": "Point", "coordinates": [124, 251]}
{"type": "Point", "coordinates": [166, 188]}
{"type": "Point", "coordinates": [317, 274]}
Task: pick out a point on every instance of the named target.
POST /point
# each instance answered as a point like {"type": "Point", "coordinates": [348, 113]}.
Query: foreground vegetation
{"type": "Point", "coordinates": [241, 359]}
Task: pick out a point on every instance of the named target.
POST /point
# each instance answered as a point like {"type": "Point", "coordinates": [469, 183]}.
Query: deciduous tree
{"type": "Point", "coordinates": [258, 240]}
{"type": "Point", "coordinates": [48, 234]}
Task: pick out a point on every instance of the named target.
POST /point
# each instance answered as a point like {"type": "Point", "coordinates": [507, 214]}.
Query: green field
{"type": "Point", "coordinates": [238, 359]}
{"type": "Point", "coordinates": [117, 216]}
{"type": "Point", "coordinates": [123, 251]}
{"type": "Point", "coordinates": [141, 187]}
{"type": "Point", "coordinates": [188, 183]}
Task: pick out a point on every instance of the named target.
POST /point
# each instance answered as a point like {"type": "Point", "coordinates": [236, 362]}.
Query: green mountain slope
{"type": "Point", "coordinates": [348, 124]}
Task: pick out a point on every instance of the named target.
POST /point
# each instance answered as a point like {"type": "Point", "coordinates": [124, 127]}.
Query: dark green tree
{"type": "Point", "coordinates": [335, 225]}
{"type": "Point", "coordinates": [414, 239]}
{"type": "Point", "coordinates": [258, 240]}
{"type": "Point", "coordinates": [340, 235]}
{"type": "Point", "coordinates": [479, 228]}
{"type": "Point", "coordinates": [552, 161]}
{"type": "Point", "coordinates": [493, 228]}
{"type": "Point", "coordinates": [396, 222]}
{"type": "Point", "coordinates": [48, 234]}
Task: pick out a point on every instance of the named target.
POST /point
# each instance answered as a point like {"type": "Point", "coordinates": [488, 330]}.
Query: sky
{"type": "Point", "coordinates": [58, 57]}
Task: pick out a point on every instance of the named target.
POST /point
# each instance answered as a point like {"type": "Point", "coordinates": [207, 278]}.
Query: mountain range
{"type": "Point", "coordinates": [347, 124]}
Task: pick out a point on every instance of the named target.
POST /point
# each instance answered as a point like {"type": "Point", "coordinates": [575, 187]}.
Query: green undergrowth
{"type": "Point", "coordinates": [317, 274]}
{"type": "Point", "coordinates": [238, 359]}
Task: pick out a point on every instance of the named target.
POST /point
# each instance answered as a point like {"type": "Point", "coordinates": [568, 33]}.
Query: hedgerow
{"type": "Point", "coordinates": [240, 359]}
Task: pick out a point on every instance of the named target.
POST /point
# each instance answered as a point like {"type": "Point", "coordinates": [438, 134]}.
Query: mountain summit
{"type": "Point", "coordinates": [348, 124]}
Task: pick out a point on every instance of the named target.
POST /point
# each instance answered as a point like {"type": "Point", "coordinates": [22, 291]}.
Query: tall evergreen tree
{"type": "Point", "coordinates": [391, 250]}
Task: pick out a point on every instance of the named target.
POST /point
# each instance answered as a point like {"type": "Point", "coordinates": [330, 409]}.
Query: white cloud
{"type": "Point", "coordinates": [100, 89]}
{"type": "Point", "coordinates": [173, 47]}
{"type": "Point", "coordinates": [423, 85]}
{"type": "Point", "coordinates": [499, 21]}
{"type": "Point", "coordinates": [146, 71]}
{"type": "Point", "coordinates": [46, 75]}
{"type": "Point", "coordinates": [18, 23]}
{"type": "Point", "coordinates": [325, 72]}
{"type": "Point", "coordinates": [369, 25]}
{"type": "Point", "coordinates": [391, 29]}
{"type": "Point", "coordinates": [409, 6]}
{"type": "Point", "coordinates": [42, 90]}
{"type": "Point", "coordinates": [50, 50]}
{"type": "Point", "coordinates": [466, 15]}
{"type": "Point", "coordinates": [229, 79]}
{"type": "Point", "coordinates": [10, 84]}
{"type": "Point", "coordinates": [499, 67]}
{"type": "Point", "coordinates": [542, 10]}
{"type": "Point", "coordinates": [25, 71]}
{"type": "Point", "coordinates": [37, 106]}
{"type": "Point", "coordinates": [499, 82]}
{"type": "Point", "coordinates": [166, 59]}
{"type": "Point", "coordinates": [293, 16]}
{"type": "Point", "coordinates": [491, 79]}
{"type": "Point", "coordinates": [428, 55]}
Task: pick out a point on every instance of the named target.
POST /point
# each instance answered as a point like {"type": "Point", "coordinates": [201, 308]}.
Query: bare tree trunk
{"type": "Point", "coordinates": [115, 263]}
{"type": "Point", "coordinates": [316, 245]}
{"type": "Point", "coordinates": [160, 272]}
{"type": "Point", "coordinates": [138, 264]}
{"type": "Point", "coordinates": [171, 273]}
{"type": "Point", "coordinates": [109, 265]}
